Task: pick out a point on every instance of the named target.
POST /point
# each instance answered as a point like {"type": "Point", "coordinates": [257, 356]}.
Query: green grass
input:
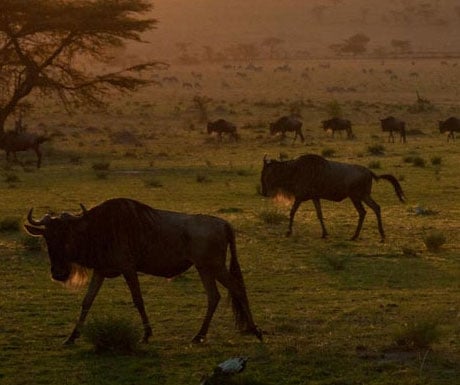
{"type": "Point", "coordinates": [321, 302]}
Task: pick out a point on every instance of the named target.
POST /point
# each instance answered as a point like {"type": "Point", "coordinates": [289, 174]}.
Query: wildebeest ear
{"type": "Point", "coordinates": [34, 231]}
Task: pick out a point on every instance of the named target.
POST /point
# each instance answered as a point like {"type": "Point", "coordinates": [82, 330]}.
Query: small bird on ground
{"type": "Point", "coordinates": [224, 369]}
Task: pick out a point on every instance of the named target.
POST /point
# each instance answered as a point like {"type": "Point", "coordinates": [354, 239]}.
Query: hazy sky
{"type": "Point", "coordinates": [220, 23]}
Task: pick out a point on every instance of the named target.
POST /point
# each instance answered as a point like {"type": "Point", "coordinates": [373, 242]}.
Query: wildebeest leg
{"type": "Point", "coordinates": [39, 156]}
{"type": "Point", "coordinates": [132, 280]}
{"type": "Point", "coordinates": [210, 287]}
{"type": "Point", "coordinates": [238, 294]}
{"type": "Point", "coordinates": [374, 206]}
{"type": "Point", "coordinates": [294, 208]}
{"type": "Point", "coordinates": [319, 214]}
{"type": "Point", "coordinates": [362, 213]}
{"type": "Point", "coordinates": [93, 288]}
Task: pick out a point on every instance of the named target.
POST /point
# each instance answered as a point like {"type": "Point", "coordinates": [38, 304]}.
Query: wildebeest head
{"type": "Point", "coordinates": [271, 179]}
{"type": "Point", "coordinates": [272, 130]}
{"type": "Point", "coordinates": [210, 127]}
{"type": "Point", "coordinates": [61, 234]}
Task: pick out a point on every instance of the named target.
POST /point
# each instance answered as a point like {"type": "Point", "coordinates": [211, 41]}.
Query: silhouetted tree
{"type": "Point", "coordinates": [43, 45]}
{"type": "Point", "coordinates": [356, 44]}
{"type": "Point", "coordinates": [401, 46]}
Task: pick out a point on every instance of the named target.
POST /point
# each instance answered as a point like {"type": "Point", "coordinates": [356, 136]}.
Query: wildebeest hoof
{"type": "Point", "coordinates": [325, 235]}
{"type": "Point", "coordinates": [69, 341]}
{"type": "Point", "coordinates": [198, 339]}
{"type": "Point", "coordinates": [288, 233]}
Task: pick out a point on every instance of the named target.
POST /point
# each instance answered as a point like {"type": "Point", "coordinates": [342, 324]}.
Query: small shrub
{"type": "Point", "coordinates": [9, 224]}
{"type": "Point", "coordinates": [418, 335]}
{"type": "Point", "coordinates": [229, 210]}
{"type": "Point", "coordinates": [202, 178]}
{"type": "Point", "coordinates": [243, 172]}
{"type": "Point", "coordinates": [272, 217]}
{"type": "Point", "coordinates": [337, 262]}
{"type": "Point", "coordinates": [408, 159]}
{"type": "Point", "coordinates": [11, 177]}
{"type": "Point", "coordinates": [328, 152]}
{"type": "Point", "coordinates": [434, 240]}
{"type": "Point", "coordinates": [376, 149]}
{"type": "Point", "coordinates": [375, 164]}
{"type": "Point", "coordinates": [101, 174]}
{"type": "Point", "coordinates": [436, 160]}
{"type": "Point", "coordinates": [112, 335]}
{"type": "Point", "coordinates": [418, 161]}
{"type": "Point", "coordinates": [153, 183]}
{"type": "Point", "coordinates": [101, 166]}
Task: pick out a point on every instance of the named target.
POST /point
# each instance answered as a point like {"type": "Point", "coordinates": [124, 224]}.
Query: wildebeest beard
{"type": "Point", "coordinates": [283, 197]}
{"type": "Point", "coordinates": [78, 277]}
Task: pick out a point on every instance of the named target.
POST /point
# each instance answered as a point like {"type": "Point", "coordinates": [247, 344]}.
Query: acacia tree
{"type": "Point", "coordinates": [49, 48]}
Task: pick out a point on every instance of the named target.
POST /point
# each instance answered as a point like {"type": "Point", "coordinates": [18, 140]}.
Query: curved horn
{"type": "Point", "coordinates": [41, 222]}
{"type": "Point", "coordinates": [83, 209]}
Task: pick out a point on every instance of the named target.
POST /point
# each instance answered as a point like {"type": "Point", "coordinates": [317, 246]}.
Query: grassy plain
{"type": "Point", "coordinates": [331, 309]}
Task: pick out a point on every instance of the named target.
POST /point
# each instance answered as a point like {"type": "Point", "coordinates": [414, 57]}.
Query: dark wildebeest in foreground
{"type": "Point", "coordinates": [392, 124]}
{"type": "Point", "coordinates": [287, 124]}
{"type": "Point", "coordinates": [124, 237]}
{"type": "Point", "coordinates": [450, 125]}
{"type": "Point", "coordinates": [13, 142]}
{"type": "Point", "coordinates": [338, 124]}
{"type": "Point", "coordinates": [222, 126]}
{"type": "Point", "coordinates": [313, 177]}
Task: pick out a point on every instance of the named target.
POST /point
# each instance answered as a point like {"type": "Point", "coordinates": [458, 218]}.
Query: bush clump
{"type": "Point", "coordinates": [418, 335]}
{"type": "Point", "coordinates": [328, 152]}
{"type": "Point", "coordinates": [272, 217]}
{"type": "Point", "coordinates": [9, 224]}
{"type": "Point", "coordinates": [376, 149]}
{"type": "Point", "coordinates": [434, 240]}
{"type": "Point", "coordinates": [112, 335]}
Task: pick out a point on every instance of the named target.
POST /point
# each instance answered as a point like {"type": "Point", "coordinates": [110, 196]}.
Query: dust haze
{"type": "Point", "coordinates": [304, 28]}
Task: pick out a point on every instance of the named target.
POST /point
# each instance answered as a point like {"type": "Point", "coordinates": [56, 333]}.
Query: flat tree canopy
{"type": "Point", "coordinates": [44, 46]}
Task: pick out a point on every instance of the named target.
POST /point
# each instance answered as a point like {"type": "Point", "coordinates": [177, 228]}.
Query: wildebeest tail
{"type": "Point", "coordinates": [398, 189]}
{"type": "Point", "coordinates": [240, 303]}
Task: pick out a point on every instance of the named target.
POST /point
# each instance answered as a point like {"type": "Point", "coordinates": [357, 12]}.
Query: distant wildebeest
{"type": "Point", "coordinates": [287, 124]}
{"type": "Point", "coordinates": [123, 237]}
{"type": "Point", "coordinates": [13, 142]}
{"type": "Point", "coordinates": [392, 124]}
{"type": "Point", "coordinates": [338, 124]}
{"type": "Point", "coordinates": [222, 126]}
{"type": "Point", "coordinates": [313, 177]}
{"type": "Point", "coordinates": [450, 125]}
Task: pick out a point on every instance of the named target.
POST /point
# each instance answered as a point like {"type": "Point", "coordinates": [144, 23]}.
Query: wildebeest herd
{"type": "Point", "coordinates": [124, 237]}
{"type": "Point", "coordinates": [293, 124]}
{"type": "Point", "coordinates": [19, 140]}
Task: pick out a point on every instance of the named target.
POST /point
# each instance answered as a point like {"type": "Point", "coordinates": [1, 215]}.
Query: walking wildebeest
{"type": "Point", "coordinates": [450, 125]}
{"type": "Point", "coordinates": [222, 126]}
{"type": "Point", "coordinates": [289, 124]}
{"type": "Point", "coordinates": [392, 124]}
{"type": "Point", "coordinates": [338, 124]}
{"type": "Point", "coordinates": [123, 237]}
{"type": "Point", "coordinates": [313, 177]}
{"type": "Point", "coordinates": [12, 142]}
